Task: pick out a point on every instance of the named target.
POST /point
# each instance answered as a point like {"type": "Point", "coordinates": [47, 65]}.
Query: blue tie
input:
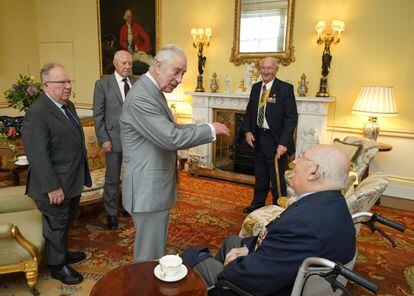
{"type": "Point", "coordinates": [70, 116]}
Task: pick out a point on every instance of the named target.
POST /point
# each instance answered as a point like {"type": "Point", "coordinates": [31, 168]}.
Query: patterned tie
{"type": "Point", "coordinates": [126, 86]}
{"type": "Point", "coordinates": [262, 105]}
{"type": "Point", "coordinates": [70, 116]}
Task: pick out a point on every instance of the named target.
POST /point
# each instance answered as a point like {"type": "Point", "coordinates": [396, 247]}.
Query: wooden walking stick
{"type": "Point", "coordinates": [282, 200]}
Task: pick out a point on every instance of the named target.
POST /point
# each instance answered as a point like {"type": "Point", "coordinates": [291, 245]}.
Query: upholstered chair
{"type": "Point", "coordinates": [21, 239]}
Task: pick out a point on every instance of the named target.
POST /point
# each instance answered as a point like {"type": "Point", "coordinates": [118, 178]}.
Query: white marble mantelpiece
{"type": "Point", "coordinates": [312, 117]}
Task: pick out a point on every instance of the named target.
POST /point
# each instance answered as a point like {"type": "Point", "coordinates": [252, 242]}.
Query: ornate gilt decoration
{"type": "Point", "coordinates": [285, 57]}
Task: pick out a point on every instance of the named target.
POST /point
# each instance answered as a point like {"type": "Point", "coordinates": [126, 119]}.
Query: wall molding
{"type": "Point", "coordinates": [405, 134]}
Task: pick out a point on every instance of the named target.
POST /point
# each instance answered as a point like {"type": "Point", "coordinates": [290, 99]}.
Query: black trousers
{"type": "Point", "coordinates": [55, 223]}
{"type": "Point", "coordinates": [264, 168]}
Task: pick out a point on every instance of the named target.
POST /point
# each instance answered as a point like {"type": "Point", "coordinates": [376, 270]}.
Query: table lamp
{"type": "Point", "coordinates": [174, 98]}
{"type": "Point", "coordinates": [375, 101]}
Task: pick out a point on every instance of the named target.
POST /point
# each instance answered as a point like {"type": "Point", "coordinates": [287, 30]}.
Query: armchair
{"type": "Point", "coordinates": [21, 239]}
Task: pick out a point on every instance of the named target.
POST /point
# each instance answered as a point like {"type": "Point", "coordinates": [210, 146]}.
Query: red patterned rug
{"type": "Point", "coordinates": [206, 212]}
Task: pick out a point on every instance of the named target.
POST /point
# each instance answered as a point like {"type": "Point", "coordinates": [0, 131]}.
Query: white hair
{"type": "Point", "coordinates": [166, 54]}
{"type": "Point", "coordinates": [44, 72]}
{"type": "Point", "coordinates": [127, 13]}
{"type": "Point", "coordinates": [333, 163]}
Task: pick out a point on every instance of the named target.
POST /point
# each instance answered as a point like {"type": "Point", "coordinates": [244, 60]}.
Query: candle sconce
{"type": "Point", "coordinates": [201, 39]}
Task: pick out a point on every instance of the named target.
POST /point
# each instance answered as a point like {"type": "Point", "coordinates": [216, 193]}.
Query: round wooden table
{"type": "Point", "coordinates": [138, 279]}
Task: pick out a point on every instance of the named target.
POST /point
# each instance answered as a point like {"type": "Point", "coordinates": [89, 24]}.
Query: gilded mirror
{"type": "Point", "coordinates": [263, 28]}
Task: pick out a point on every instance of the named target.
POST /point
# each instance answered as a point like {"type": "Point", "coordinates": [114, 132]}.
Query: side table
{"type": "Point", "coordinates": [138, 279]}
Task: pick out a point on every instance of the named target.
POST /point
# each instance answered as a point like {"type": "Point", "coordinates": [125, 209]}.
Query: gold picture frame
{"type": "Point", "coordinates": [141, 37]}
{"type": "Point", "coordinates": [285, 56]}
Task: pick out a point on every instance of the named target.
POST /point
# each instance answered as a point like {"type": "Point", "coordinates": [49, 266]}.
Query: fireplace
{"type": "Point", "coordinates": [232, 153]}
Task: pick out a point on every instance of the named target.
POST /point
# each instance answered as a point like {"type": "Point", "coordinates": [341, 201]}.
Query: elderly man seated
{"type": "Point", "coordinates": [317, 224]}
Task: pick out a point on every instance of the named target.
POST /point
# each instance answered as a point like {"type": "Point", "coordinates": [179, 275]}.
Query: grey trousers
{"type": "Point", "coordinates": [111, 193]}
{"type": "Point", "coordinates": [151, 234]}
{"type": "Point", "coordinates": [209, 269]}
{"type": "Point", "coordinates": [55, 223]}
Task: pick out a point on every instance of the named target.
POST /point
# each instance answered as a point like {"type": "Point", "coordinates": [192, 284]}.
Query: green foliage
{"type": "Point", "coordinates": [23, 93]}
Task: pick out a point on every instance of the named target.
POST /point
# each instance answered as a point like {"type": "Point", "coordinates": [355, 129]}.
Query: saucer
{"type": "Point", "coordinates": [18, 162]}
{"type": "Point", "coordinates": [176, 277]}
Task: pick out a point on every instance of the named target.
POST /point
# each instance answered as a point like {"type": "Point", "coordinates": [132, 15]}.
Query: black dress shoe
{"type": "Point", "coordinates": [112, 222]}
{"type": "Point", "coordinates": [250, 209]}
{"type": "Point", "coordinates": [74, 257]}
{"type": "Point", "coordinates": [66, 275]}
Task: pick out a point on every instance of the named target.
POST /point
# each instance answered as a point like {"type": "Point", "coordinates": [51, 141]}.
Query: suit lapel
{"type": "Point", "coordinates": [159, 96]}
{"type": "Point", "coordinates": [61, 117]}
{"type": "Point", "coordinates": [115, 89]}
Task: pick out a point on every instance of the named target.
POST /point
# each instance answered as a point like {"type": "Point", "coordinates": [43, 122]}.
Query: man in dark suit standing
{"type": "Point", "coordinates": [58, 169]}
{"type": "Point", "coordinates": [317, 224]}
{"type": "Point", "coordinates": [270, 121]}
{"type": "Point", "coordinates": [108, 98]}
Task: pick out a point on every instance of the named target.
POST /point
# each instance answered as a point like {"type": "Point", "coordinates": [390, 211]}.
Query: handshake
{"type": "Point", "coordinates": [221, 129]}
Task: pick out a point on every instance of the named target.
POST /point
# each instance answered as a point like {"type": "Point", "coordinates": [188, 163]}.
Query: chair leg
{"type": "Point", "coordinates": [31, 277]}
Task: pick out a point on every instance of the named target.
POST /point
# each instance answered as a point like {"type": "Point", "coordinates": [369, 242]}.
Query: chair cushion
{"type": "Point", "coordinates": [258, 219]}
{"type": "Point", "coordinates": [96, 155]}
{"type": "Point", "coordinates": [351, 149]}
{"type": "Point", "coordinates": [30, 225]}
{"type": "Point", "coordinates": [13, 199]}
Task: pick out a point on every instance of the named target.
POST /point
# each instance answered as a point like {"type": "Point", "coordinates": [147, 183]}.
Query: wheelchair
{"type": "Point", "coordinates": [318, 276]}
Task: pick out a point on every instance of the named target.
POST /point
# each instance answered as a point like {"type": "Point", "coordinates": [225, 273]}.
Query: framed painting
{"type": "Point", "coordinates": [132, 25]}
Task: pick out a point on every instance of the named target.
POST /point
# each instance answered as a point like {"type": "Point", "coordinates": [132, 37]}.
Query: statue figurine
{"type": "Point", "coordinates": [227, 84]}
{"type": "Point", "coordinates": [303, 86]}
{"type": "Point", "coordinates": [247, 80]}
{"type": "Point", "coordinates": [214, 85]}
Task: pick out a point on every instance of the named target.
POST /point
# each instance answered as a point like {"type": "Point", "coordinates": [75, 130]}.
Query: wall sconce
{"type": "Point", "coordinates": [201, 38]}
{"type": "Point", "coordinates": [375, 101]}
{"type": "Point", "coordinates": [327, 37]}
{"type": "Point", "coordinates": [174, 98]}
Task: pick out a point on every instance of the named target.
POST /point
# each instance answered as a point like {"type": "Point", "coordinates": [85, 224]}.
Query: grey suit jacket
{"type": "Point", "coordinates": [150, 139]}
{"type": "Point", "coordinates": [107, 108]}
{"type": "Point", "coordinates": [55, 150]}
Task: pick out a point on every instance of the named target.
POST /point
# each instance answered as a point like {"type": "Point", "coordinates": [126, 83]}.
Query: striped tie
{"type": "Point", "coordinates": [262, 105]}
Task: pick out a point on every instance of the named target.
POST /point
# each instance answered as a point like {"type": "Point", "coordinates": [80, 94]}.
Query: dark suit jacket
{"type": "Point", "coordinates": [317, 225]}
{"type": "Point", "coordinates": [55, 150]}
{"type": "Point", "coordinates": [282, 115]}
{"type": "Point", "coordinates": [107, 108]}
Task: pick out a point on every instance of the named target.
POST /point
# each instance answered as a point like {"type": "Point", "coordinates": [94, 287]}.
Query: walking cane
{"type": "Point", "coordinates": [282, 200]}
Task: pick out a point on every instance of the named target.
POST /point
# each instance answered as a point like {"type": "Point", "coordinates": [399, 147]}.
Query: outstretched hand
{"type": "Point", "coordinates": [221, 129]}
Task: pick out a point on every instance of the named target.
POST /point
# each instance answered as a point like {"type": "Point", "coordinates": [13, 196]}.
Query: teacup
{"type": "Point", "coordinates": [170, 265]}
{"type": "Point", "coordinates": [22, 158]}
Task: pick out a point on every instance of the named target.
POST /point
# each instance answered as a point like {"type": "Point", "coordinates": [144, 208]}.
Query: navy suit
{"type": "Point", "coordinates": [282, 117]}
{"type": "Point", "coordinates": [317, 225]}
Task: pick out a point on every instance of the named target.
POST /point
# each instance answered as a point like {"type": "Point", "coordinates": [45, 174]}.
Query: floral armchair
{"type": "Point", "coordinates": [360, 199]}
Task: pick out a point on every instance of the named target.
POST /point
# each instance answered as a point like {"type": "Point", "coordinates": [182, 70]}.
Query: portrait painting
{"type": "Point", "coordinates": [131, 25]}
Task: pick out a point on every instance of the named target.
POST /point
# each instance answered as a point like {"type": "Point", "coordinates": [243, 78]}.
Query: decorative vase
{"type": "Point", "coordinates": [214, 85]}
{"type": "Point", "coordinates": [303, 87]}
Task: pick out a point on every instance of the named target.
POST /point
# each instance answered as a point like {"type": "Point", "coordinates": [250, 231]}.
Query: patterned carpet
{"type": "Point", "coordinates": [206, 212]}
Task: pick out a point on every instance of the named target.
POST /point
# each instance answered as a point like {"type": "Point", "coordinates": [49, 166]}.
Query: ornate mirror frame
{"type": "Point", "coordinates": [284, 57]}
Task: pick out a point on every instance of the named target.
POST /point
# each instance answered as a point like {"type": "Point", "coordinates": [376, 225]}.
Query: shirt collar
{"type": "Point", "coordinates": [59, 105]}
{"type": "Point", "coordinates": [119, 77]}
{"type": "Point", "coordinates": [152, 79]}
{"type": "Point", "coordinates": [269, 84]}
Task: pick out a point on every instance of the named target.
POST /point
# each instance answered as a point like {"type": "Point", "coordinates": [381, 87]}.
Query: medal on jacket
{"type": "Point", "coordinates": [260, 238]}
{"type": "Point", "coordinates": [272, 99]}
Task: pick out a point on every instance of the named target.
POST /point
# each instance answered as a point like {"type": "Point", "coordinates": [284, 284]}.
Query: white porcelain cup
{"type": "Point", "coordinates": [22, 158]}
{"type": "Point", "coordinates": [170, 265]}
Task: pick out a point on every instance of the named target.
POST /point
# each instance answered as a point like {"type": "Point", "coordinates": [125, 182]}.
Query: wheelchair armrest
{"type": "Point", "coordinates": [227, 285]}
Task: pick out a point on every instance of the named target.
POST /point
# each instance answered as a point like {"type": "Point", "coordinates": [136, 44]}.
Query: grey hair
{"type": "Point", "coordinates": [275, 61]}
{"type": "Point", "coordinates": [333, 163]}
{"type": "Point", "coordinates": [44, 72]}
{"type": "Point", "coordinates": [166, 54]}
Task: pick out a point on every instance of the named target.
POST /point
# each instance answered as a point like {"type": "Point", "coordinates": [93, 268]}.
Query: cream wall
{"type": "Point", "coordinates": [376, 48]}
{"type": "Point", "coordinates": [18, 42]}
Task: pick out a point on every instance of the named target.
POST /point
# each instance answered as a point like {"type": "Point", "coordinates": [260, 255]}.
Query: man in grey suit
{"type": "Point", "coordinates": [150, 140]}
{"type": "Point", "coordinates": [108, 98]}
{"type": "Point", "coordinates": [58, 169]}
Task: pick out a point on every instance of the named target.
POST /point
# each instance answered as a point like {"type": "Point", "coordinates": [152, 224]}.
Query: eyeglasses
{"type": "Point", "coordinates": [61, 82]}
{"type": "Point", "coordinates": [303, 156]}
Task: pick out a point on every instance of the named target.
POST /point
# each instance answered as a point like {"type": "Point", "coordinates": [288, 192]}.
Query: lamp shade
{"type": "Point", "coordinates": [376, 101]}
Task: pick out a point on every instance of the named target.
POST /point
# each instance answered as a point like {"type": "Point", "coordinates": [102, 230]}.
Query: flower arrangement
{"type": "Point", "coordinates": [23, 93]}
{"type": "Point", "coordinates": [8, 135]}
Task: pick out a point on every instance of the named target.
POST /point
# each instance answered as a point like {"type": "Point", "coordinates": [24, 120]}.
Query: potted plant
{"type": "Point", "coordinates": [23, 93]}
